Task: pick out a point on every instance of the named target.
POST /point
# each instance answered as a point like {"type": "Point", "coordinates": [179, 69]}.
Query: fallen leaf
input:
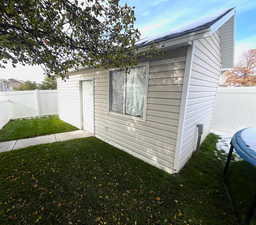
{"type": "Point", "coordinates": [157, 198]}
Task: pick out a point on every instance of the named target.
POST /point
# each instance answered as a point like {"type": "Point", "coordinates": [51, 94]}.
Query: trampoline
{"type": "Point", "coordinates": [244, 144]}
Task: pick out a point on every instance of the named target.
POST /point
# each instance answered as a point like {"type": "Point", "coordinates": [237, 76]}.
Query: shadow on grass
{"type": "Point", "coordinates": [242, 183]}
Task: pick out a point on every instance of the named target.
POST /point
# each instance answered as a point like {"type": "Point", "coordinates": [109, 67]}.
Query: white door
{"type": "Point", "coordinates": [88, 106]}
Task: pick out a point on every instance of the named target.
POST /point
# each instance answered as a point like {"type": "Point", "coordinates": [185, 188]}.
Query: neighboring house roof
{"type": "Point", "coordinates": [10, 84]}
{"type": "Point", "coordinates": [15, 81]}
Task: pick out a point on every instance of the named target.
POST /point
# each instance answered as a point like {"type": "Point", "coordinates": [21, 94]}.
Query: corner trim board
{"type": "Point", "coordinates": [185, 89]}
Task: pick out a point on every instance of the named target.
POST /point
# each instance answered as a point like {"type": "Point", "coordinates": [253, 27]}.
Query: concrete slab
{"type": "Point", "coordinates": [6, 146]}
{"type": "Point", "coordinates": [72, 135]}
{"type": "Point", "coordinates": [23, 143]}
{"type": "Point", "coordinates": [26, 142]}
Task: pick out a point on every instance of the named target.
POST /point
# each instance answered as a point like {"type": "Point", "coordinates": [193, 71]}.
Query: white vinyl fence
{"type": "Point", "coordinates": [4, 112]}
{"type": "Point", "coordinates": [235, 109]}
{"type": "Point", "coordinates": [22, 104]}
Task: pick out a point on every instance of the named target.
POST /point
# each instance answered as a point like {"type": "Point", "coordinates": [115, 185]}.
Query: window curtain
{"type": "Point", "coordinates": [135, 91]}
{"type": "Point", "coordinates": [117, 91]}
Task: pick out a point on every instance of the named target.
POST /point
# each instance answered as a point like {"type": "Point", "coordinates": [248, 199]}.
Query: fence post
{"type": "Point", "coordinates": [37, 103]}
{"type": "Point", "coordinates": [9, 105]}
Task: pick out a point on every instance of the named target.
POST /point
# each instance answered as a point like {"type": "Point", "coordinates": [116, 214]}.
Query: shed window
{"type": "Point", "coordinates": [128, 90]}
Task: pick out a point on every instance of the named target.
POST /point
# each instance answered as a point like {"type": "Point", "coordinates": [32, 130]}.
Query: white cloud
{"type": "Point", "coordinates": [158, 2]}
{"type": "Point", "coordinates": [244, 45]}
{"type": "Point", "coordinates": [33, 73]}
{"type": "Point", "coordinates": [145, 13]}
{"type": "Point", "coordinates": [150, 28]}
{"type": "Point", "coordinates": [245, 5]}
{"type": "Point", "coordinates": [159, 24]}
{"type": "Point", "coordinates": [179, 14]}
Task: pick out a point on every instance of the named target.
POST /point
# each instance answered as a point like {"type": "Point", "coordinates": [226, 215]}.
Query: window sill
{"type": "Point", "coordinates": [127, 116]}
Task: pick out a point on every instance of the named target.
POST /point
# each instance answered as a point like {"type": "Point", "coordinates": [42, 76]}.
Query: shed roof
{"type": "Point", "coordinates": [198, 26]}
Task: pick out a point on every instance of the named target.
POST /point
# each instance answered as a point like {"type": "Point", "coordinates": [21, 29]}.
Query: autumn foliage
{"type": "Point", "coordinates": [244, 74]}
{"type": "Point", "coordinates": [232, 79]}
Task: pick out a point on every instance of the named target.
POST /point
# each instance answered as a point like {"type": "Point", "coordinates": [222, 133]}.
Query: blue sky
{"type": "Point", "coordinates": [158, 16]}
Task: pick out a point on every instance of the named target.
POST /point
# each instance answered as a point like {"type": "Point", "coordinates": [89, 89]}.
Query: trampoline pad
{"type": "Point", "coordinates": [244, 142]}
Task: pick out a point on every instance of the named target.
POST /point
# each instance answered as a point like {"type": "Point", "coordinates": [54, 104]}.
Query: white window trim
{"type": "Point", "coordinates": [123, 115]}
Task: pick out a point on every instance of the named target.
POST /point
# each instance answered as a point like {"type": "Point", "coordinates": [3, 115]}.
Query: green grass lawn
{"type": "Point", "coordinates": [87, 181]}
{"type": "Point", "coordinates": [25, 128]}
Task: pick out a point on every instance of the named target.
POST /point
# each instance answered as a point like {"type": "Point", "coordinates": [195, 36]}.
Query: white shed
{"type": "Point", "coordinates": [153, 111]}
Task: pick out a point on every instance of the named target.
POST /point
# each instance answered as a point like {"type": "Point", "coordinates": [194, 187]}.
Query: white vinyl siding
{"type": "Point", "coordinates": [69, 99]}
{"type": "Point", "coordinates": [201, 94]}
{"type": "Point", "coordinates": [227, 43]}
{"type": "Point", "coordinates": [152, 139]}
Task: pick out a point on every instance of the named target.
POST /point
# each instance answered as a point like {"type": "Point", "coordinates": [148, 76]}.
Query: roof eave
{"type": "Point", "coordinates": [199, 34]}
{"type": "Point", "coordinates": [194, 35]}
{"type": "Point", "coordinates": [213, 28]}
{"type": "Point", "coordinates": [179, 41]}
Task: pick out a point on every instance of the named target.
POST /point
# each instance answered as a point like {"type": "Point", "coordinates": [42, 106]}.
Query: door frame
{"type": "Point", "coordinates": [82, 103]}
